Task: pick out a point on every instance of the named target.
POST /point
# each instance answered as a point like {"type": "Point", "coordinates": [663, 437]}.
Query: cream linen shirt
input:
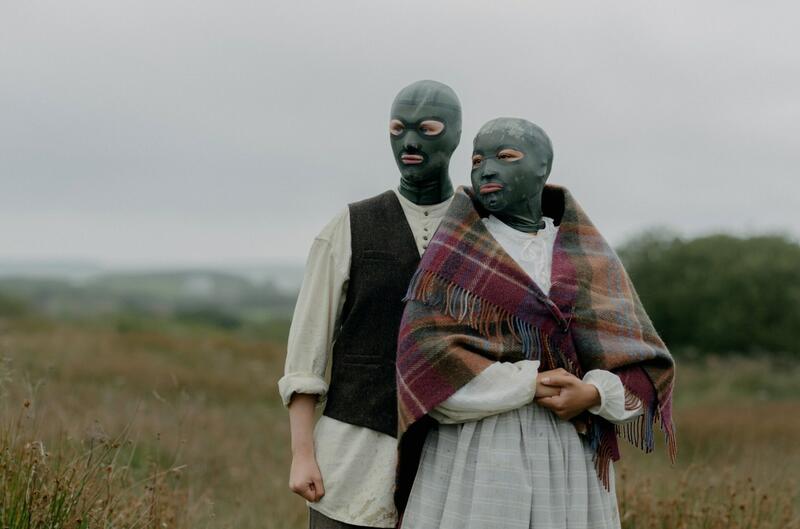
{"type": "Point", "coordinates": [357, 464]}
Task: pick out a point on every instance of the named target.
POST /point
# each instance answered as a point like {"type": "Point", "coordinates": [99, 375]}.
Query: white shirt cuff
{"type": "Point", "coordinates": [307, 383]}
{"type": "Point", "coordinates": [612, 396]}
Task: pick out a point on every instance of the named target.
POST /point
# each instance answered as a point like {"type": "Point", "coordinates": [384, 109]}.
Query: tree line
{"type": "Point", "coordinates": [719, 293]}
{"type": "Point", "coordinates": [713, 294]}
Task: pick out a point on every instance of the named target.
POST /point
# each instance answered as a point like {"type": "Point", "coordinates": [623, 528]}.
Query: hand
{"type": "Point", "coordinates": [575, 396]}
{"type": "Point", "coordinates": [305, 478]}
{"type": "Point", "coordinates": [546, 391]}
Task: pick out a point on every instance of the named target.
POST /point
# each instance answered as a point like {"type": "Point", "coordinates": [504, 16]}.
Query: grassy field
{"type": "Point", "coordinates": [195, 435]}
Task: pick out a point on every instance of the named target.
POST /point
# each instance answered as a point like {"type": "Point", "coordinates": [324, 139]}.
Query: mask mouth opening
{"type": "Point", "coordinates": [411, 158]}
{"type": "Point", "coordinates": [491, 187]}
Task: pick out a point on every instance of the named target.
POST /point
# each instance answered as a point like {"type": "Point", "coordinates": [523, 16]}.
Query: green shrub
{"type": "Point", "coordinates": [719, 292]}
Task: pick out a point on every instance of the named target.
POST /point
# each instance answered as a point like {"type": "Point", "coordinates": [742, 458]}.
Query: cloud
{"type": "Point", "coordinates": [147, 132]}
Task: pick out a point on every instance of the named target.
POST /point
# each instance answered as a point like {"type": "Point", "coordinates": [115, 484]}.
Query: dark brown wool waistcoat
{"type": "Point", "coordinates": [384, 257]}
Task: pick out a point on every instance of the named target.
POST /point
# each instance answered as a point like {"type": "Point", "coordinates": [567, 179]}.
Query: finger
{"type": "Point", "coordinates": [559, 380]}
{"type": "Point", "coordinates": [312, 492]}
{"type": "Point", "coordinates": [550, 372]}
{"type": "Point", "coordinates": [307, 492]}
{"type": "Point", "coordinates": [319, 487]}
{"type": "Point", "coordinates": [557, 371]}
{"type": "Point", "coordinates": [547, 391]}
{"type": "Point", "coordinates": [548, 402]}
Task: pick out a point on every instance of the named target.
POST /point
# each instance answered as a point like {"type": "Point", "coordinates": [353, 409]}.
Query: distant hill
{"type": "Point", "coordinates": [285, 277]}
{"type": "Point", "coordinates": [247, 293]}
{"type": "Point", "coordinates": [70, 270]}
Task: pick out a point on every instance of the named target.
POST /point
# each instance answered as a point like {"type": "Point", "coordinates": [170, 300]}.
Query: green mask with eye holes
{"type": "Point", "coordinates": [511, 159]}
{"type": "Point", "coordinates": [425, 128]}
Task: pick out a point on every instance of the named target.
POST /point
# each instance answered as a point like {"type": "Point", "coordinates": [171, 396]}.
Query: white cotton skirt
{"type": "Point", "coordinates": [524, 469]}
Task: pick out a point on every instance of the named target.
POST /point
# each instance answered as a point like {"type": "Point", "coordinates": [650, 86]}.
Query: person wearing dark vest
{"type": "Point", "coordinates": [348, 314]}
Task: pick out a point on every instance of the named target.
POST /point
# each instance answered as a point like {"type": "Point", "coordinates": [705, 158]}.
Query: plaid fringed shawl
{"type": "Point", "coordinates": [470, 304]}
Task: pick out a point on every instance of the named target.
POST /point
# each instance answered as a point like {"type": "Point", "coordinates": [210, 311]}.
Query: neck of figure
{"type": "Point", "coordinates": [428, 192]}
{"type": "Point", "coordinates": [525, 216]}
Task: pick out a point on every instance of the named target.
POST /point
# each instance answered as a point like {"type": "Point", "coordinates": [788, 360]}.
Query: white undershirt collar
{"type": "Point", "coordinates": [547, 232]}
{"type": "Point", "coordinates": [433, 209]}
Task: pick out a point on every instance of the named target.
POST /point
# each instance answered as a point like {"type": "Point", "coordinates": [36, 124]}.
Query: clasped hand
{"type": "Point", "coordinates": [564, 394]}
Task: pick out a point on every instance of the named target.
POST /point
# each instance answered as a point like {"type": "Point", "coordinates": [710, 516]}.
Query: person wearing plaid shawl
{"type": "Point", "coordinates": [524, 351]}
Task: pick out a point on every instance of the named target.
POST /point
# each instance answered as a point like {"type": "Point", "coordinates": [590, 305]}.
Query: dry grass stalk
{"type": "Point", "coordinates": [80, 485]}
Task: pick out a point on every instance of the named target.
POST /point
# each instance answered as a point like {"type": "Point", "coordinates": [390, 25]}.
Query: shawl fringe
{"type": "Point", "coordinates": [467, 278]}
{"type": "Point", "coordinates": [486, 318]}
{"type": "Point", "coordinates": [640, 432]}
{"type": "Point", "coordinates": [492, 321]}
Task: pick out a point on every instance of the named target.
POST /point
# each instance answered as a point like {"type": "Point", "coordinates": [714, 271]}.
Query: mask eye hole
{"type": "Point", "coordinates": [431, 127]}
{"type": "Point", "coordinates": [396, 127]}
{"type": "Point", "coordinates": [477, 160]}
{"type": "Point", "coordinates": [510, 155]}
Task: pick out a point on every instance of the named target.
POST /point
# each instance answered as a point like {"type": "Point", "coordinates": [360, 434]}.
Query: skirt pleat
{"type": "Point", "coordinates": [523, 469]}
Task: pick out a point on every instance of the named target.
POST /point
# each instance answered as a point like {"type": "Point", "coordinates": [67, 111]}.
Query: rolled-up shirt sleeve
{"type": "Point", "coordinates": [317, 312]}
{"type": "Point", "coordinates": [501, 387]}
{"type": "Point", "coordinates": [616, 404]}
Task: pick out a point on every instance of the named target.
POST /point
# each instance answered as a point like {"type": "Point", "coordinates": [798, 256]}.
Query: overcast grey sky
{"type": "Point", "coordinates": [196, 132]}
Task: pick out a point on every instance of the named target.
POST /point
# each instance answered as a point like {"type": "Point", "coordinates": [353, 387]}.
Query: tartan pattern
{"type": "Point", "coordinates": [469, 304]}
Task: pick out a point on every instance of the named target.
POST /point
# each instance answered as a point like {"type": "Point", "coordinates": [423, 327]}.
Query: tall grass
{"type": "Point", "coordinates": [201, 438]}
{"type": "Point", "coordinates": [701, 500]}
{"type": "Point", "coordinates": [83, 485]}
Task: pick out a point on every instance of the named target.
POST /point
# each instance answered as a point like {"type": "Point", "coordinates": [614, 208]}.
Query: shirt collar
{"type": "Point", "coordinates": [547, 232]}
{"type": "Point", "coordinates": [432, 209]}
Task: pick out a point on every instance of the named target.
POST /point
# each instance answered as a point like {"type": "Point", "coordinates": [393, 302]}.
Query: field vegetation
{"type": "Point", "coordinates": [160, 411]}
{"type": "Point", "coordinates": [188, 431]}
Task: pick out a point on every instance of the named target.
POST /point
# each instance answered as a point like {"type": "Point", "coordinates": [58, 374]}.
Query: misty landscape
{"type": "Point", "coordinates": [165, 168]}
{"type": "Point", "coordinates": [169, 378]}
